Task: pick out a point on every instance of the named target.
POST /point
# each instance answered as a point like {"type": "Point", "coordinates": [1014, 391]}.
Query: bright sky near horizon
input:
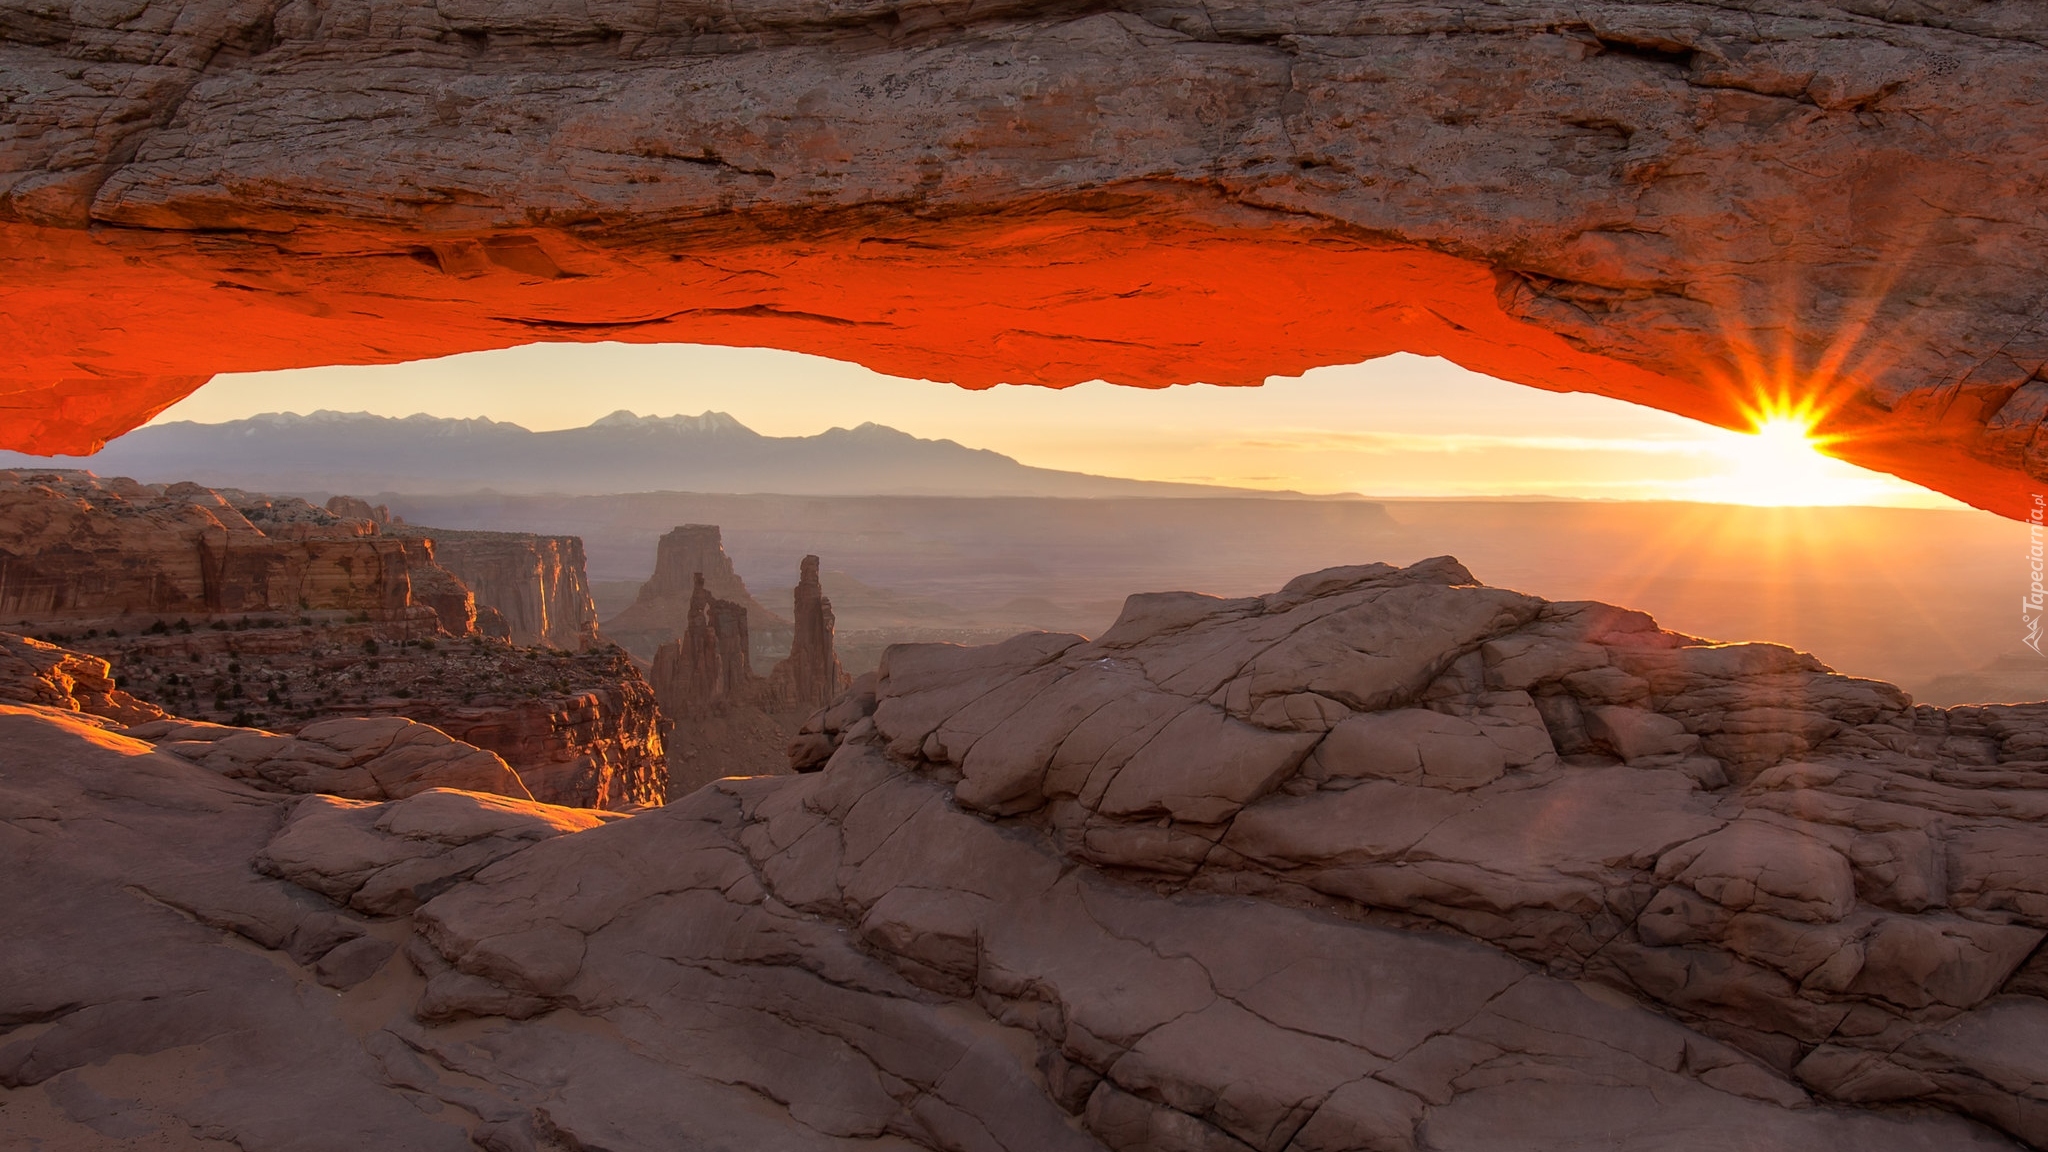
{"type": "Point", "coordinates": [1403, 426]}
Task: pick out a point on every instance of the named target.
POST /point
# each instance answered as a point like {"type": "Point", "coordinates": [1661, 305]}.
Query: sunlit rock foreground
{"type": "Point", "coordinates": [1683, 204]}
{"type": "Point", "coordinates": [1386, 860]}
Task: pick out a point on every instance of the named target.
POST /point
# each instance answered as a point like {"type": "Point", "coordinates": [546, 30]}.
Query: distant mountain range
{"type": "Point", "coordinates": [358, 453]}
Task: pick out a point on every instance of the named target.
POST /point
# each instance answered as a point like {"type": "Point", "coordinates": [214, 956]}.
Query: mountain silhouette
{"type": "Point", "coordinates": [357, 452]}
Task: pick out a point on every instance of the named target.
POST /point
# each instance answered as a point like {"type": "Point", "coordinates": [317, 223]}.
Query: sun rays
{"type": "Point", "coordinates": [1784, 457]}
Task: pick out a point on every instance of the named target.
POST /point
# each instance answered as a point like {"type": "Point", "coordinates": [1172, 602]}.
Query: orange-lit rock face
{"type": "Point", "coordinates": [1676, 204]}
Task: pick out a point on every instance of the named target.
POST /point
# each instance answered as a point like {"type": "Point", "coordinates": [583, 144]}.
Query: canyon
{"type": "Point", "coordinates": [1835, 582]}
{"type": "Point", "coordinates": [530, 590]}
{"type": "Point", "coordinates": [75, 548]}
{"type": "Point", "coordinates": [1386, 859]}
{"type": "Point", "coordinates": [237, 609]}
{"type": "Point", "coordinates": [1709, 208]}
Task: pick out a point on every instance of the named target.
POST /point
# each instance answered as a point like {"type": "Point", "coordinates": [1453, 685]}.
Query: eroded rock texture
{"type": "Point", "coordinates": [356, 758]}
{"type": "Point", "coordinates": [34, 672]}
{"type": "Point", "coordinates": [253, 612]}
{"type": "Point", "coordinates": [587, 731]}
{"type": "Point", "coordinates": [74, 547]}
{"type": "Point", "coordinates": [706, 671]}
{"type": "Point", "coordinates": [537, 585]}
{"type": "Point", "coordinates": [1387, 860]}
{"type": "Point", "coordinates": [1682, 204]}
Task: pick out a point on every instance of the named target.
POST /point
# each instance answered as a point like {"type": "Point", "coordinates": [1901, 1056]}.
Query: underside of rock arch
{"type": "Point", "coordinates": [1705, 207]}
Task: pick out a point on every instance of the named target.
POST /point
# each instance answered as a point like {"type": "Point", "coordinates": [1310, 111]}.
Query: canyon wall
{"type": "Point", "coordinates": [1699, 206]}
{"type": "Point", "coordinates": [599, 743]}
{"type": "Point", "coordinates": [577, 728]}
{"type": "Point", "coordinates": [537, 584]}
{"type": "Point", "coordinates": [74, 547]}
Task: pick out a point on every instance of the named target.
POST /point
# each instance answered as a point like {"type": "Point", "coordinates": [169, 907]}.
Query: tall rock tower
{"type": "Point", "coordinates": [812, 675]}
{"type": "Point", "coordinates": [661, 612]}
{"type": "Point", "coordinates": [706, 672]}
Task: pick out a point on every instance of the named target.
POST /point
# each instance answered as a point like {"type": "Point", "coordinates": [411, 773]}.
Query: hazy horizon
{"type": "Point", "coordinates": [1402, 427]}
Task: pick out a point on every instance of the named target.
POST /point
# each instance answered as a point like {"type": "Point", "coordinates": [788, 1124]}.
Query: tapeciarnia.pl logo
{"type": "Point", "coordinates": [2037, 597]}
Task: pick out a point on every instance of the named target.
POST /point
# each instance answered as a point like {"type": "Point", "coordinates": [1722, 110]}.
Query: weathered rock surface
{"type": "Point", "coordinates": [1197, 919]}
{"type": "Point", "coordinates": [140, 930]}
{"type": "Point", "coordinates": [32, 672]}
{"type": "Point", "coordinates": [388, 859]}
{"type": "Point", "coordinates": [538, 585]}
{"type": "Point", "coordinates": [1673, 203]}
{"type": "Point", "coordinates": [1783, 857]}
{"type": "Point", "coordinates": [76, 548]}
{"type": "Point", "coordinates": [356, 758]}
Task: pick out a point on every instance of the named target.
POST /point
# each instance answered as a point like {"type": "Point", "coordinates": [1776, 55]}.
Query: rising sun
{"type": "Point", "coordinates": [1782, 461]}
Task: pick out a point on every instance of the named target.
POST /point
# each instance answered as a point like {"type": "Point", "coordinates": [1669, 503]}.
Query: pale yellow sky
{"type": "Point", "coordinates": [1400, 426]}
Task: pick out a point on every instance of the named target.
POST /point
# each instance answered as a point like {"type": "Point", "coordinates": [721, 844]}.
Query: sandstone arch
{"type": "Point", "coordinates": [1687, 205]}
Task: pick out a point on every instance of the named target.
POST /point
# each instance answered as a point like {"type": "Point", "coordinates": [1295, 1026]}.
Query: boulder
{"type": "Point", "coordinates": [386, 859]}
{"type": "Point", "coordinates": [35, 672]}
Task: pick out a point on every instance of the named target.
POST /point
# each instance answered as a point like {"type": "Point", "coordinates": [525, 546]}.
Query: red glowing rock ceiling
{"type": "Point", "coordinates": [1682, 205]}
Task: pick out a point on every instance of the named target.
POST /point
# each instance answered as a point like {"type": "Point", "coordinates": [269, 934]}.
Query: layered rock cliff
{"type": "Point", "coordinates": [588, 733]}
{"type": "Point", "coordinates": [578, 728]}
{"type": "Point", "coordinates": [1689, 204]}
{"type": "Point", "coordinates": [1384, 860]}
{"type": "Point", "coordinates": [236, 608]}
{"type": "Point", "coordinates": [708, 670]}
{"type": "Point", "coordinates": [74, 547]}
{"type": "Point", "coordinates": [538, 585]}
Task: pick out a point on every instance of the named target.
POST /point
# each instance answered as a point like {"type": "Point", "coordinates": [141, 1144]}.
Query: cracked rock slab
{"type": "Point", "coordinates": [1580, 950]}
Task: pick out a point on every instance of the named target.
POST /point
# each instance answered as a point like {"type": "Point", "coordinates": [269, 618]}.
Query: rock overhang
{"type": "Point", "coordinates": [1679, 205]}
